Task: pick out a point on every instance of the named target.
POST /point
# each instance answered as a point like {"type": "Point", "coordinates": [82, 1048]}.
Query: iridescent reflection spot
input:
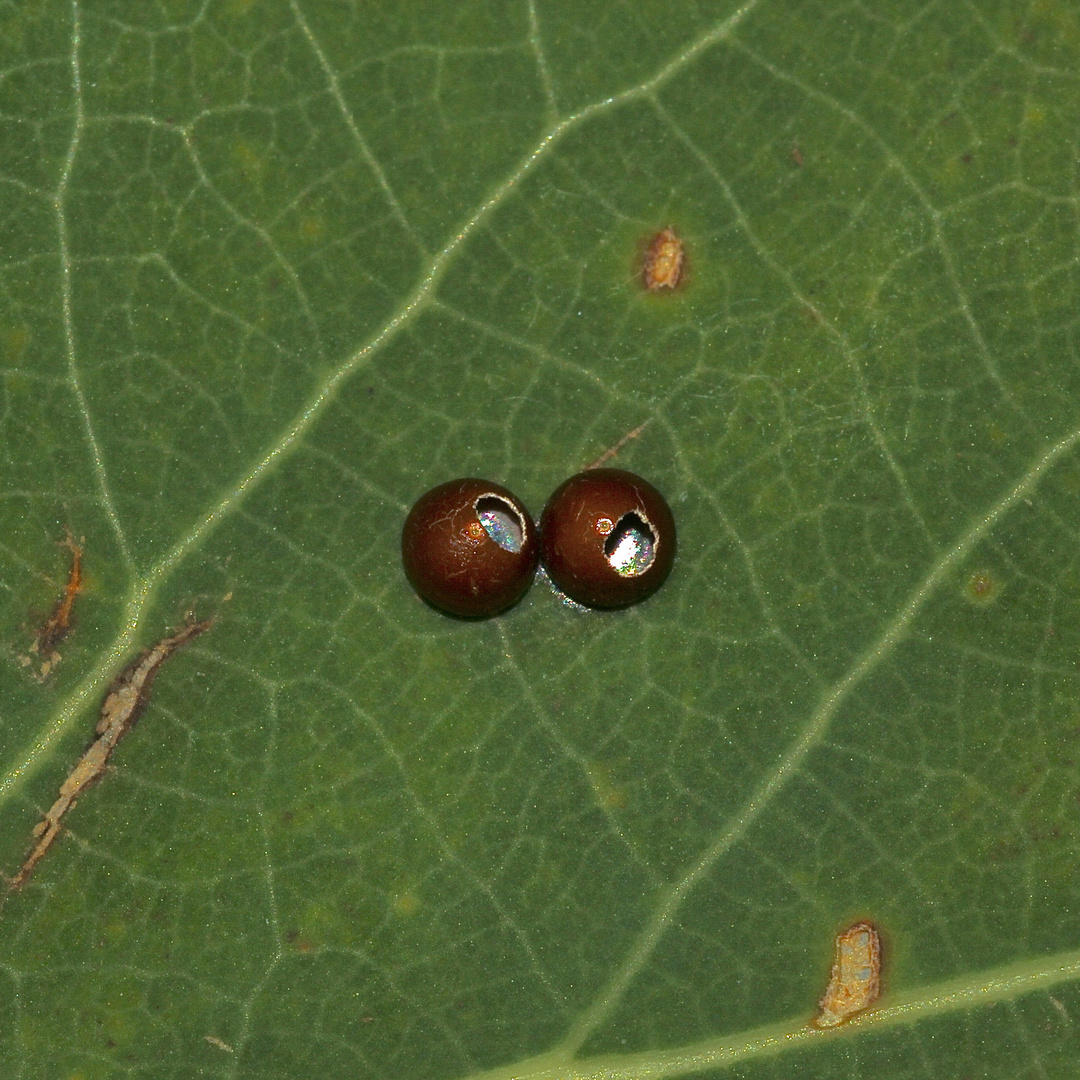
{"type": "Point", "coordinates": [631, 547]}
{"type": "Point", "coordinates": [500, 523]}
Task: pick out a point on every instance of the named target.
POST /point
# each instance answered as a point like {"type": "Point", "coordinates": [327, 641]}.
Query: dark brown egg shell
{"type": "Point", "coordinates": [572, 538]}
{"type": "Point", "coordinates": [451, 560]}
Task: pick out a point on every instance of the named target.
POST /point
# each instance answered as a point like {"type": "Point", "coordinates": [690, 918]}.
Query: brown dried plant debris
{"type": "Point", "coordinates": [608, 454]}
{"type": "Point", "coordinates": [57, 626]}
{"type": "Point", "coordinates": [124, 702]}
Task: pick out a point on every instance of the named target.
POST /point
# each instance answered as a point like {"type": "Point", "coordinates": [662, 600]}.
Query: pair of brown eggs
{"type": "Point", "coordinates": [606, 538]}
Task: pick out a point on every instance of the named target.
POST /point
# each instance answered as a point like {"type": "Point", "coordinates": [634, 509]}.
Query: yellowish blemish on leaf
{"type": "Point", "coordinates": [119, 1027]}
{"type": "Point", "coordinates": [13, 343]}
{"type": "Point", "coordinates": [1063, 17]}
{"type": "Point", "coordinates": [312, 228]}
{"type": "Point", "coordinates": [407, 904]}
{"type": "Point", "coordinates": [248, 158]}
{"type": "Point", "coordinates": [608, 794]}
{"type": "Point", "coordinates": [1070, 479]}
{"type": "Point", "coordinates": [321, 923]}
{"type": "Point", "coordinates": [116, 931]}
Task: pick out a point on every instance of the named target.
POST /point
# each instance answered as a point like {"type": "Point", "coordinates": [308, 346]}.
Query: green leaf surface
{"type": "Point", "coordinates": [269, 270]}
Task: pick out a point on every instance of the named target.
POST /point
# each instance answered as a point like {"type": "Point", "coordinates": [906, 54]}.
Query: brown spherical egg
{"type": "Point", "coordinates": [469, 547]}
{"type": "Point", "coordinates": [607, 538]}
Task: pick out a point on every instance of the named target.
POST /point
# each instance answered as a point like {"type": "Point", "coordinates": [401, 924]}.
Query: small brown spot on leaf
{"type": "Point", "coordinates": [983, 587]}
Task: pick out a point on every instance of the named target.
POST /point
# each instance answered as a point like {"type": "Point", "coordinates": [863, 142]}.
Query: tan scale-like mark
{"type": "Point", "coordinates": [855, 982]}
{"type": "Point", "coordinates": [121, 708]}
{"type": "Point", "coordinates": [663, 267]}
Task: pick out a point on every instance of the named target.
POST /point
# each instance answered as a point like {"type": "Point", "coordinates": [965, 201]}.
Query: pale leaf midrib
{"type": "Point", "coordinates": [976, 990]}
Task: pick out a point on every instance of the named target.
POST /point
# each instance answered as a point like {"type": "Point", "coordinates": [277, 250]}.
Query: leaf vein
{"type": "Point", "coordinates": [671, 899]}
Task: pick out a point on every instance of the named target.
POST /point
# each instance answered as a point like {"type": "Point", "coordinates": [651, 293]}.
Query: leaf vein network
{"type": "Point", "coordinates": [259, 231]}
{"type": "Point", "coordinates": [833, 330]}
{"type": "Point", "coordinates": [791, 761]}
{"type": "Point", "coordinates": [422, 296]}
{"type": "Point", "coordinates": [983, 987]}
{"type": "Point", "coordinates": [366, 152]}
{"type": "Point", "coordinates": [430, 823]}
{"type": "Point", "coordinates": [96, 456]}
{"type": "Point", "coordinates": [536, 42]}
{"type": "Point", "coordinates": [573, 754]}
{"type": "Point", "coordinates": [935, 215]}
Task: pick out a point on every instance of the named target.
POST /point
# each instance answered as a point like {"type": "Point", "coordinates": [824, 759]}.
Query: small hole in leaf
{"type": "Point", "coordinates": [631, 547]}
{"type": "Point", "coordinates": [501, 522]}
